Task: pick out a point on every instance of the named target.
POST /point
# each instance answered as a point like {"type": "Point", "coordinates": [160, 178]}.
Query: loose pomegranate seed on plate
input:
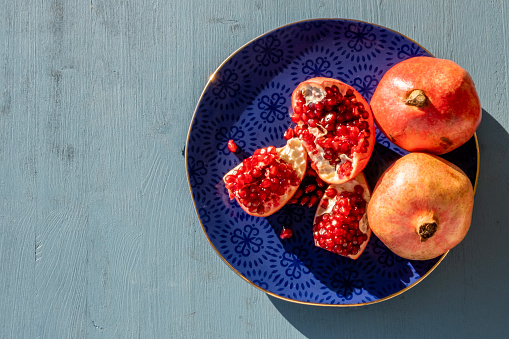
{"type": "Point", "coordinates": [232, 146]}
{"type": "Point", "coordinates": [286, 233]}
{"type": "Point", "coordinates": [309, 193]}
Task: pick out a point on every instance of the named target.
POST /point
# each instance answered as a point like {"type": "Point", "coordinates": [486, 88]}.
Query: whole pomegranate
{"type": "Point", "coordinates": [426, 104]}
{"type": "Point", "coordinates": [421, 206]}
{"type": "Point", "coordinates": [340, 223]}
{"type": "Point", "coordinates": [336, 126]}
{"type": "Point", "coordinates": [264, 182]}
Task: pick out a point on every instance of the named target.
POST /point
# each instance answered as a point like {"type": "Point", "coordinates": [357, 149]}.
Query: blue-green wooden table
{"type": "Point", "coordinates": [98, 234]}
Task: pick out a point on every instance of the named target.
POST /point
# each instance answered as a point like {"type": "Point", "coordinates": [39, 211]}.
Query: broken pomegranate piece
{"type": "Point", "coordinates": [264, 182]}
{"type": "Point", "coordinates": [340, 224]}
{"type": "Point", "coordinates": [336, 126]}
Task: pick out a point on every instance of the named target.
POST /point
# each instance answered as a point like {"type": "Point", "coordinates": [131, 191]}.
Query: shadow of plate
{"type": "Point", "coordinates": [473, 273]}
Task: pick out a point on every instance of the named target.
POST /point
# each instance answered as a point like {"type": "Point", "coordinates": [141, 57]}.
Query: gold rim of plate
{"type": "Point", "coordinates": [194, 203]}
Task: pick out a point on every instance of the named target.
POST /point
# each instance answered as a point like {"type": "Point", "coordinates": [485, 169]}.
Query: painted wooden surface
{"type": "Point", "coordinates": [98, 234]}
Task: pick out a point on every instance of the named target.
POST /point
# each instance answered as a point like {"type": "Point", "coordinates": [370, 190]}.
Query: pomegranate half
{"type": "Point", "coordinates": [336, 126]}
{"type": "Point", "coordinates": [426, 104]}
{"type": "Point", "coordinates": [340, 224]}
{"type": "Point", "coordinates": [264, 182]}
{"type": "Point", "coordinates": [421, 206]}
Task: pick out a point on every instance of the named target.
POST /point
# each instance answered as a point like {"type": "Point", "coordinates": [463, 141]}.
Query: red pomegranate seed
{"type": "Point", "coordinates": [232, 146]}
{"type": "Point", "coordinates": [331, 192]}
{"type": "Point", "coordinates": [286, 233]}
{"type": "Point", "coordinates": [324, 204]}
{"type": "Point", "coordinates": [304, 200]}
{"type": "Point", "coordinates": [310, 188]}
{"type": "Point", "coordinates": [295, 118]}
{"type": "Point", "coordinates": [312, 201]}
{"type": "Point", "coordinates": [358, 189]}
{"type": "Point", "coordinates": [289, 134]}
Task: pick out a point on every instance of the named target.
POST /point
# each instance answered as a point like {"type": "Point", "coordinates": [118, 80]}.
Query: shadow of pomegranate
{"type": "Point", "coordinates": [469, 281]}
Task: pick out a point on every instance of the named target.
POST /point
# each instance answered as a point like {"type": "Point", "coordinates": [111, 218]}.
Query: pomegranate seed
{"type": "Point", "coordinates": [304, 200]}
{"type": "Point", "coordinates": [310, 188]}
{"type": "Point", "coordinates": [310, 172]}
{"type": "Point", "coordinates": [320, 182]}
{"type": "Point", "coordinates": [232, 146]}
{"type": "Point", "coordinates": [292, 201]}
{"type": "Point", "coordinates": [324, 203]}
{"type": "Point", "coordinates": [286, 233]}
{"type": "Point", "coordinates": [266, 183]}
{"type": "Point", "coordinates": [312, 201]}
{"type": "Point", "coordinates": [329, 118]}
{"type": "Point", "coordinates": [256, 172]}
{"type": "Point", "coordinates": [289, 134]}
{"type": "Point", "coordinates": [341, 130]}
{"type": "Point", "coordinates": [363, 125]}
{"type": "Point", "coordinates": [273, 169]}
{"type": "Point", "coordinates": [359, 190]}
{"type": "Point", "coordinates": [331, 192]}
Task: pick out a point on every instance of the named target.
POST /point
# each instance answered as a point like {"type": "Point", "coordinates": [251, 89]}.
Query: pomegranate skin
{"type": "Point", "coordinates": [449, 117]}
{"type": "Point", "coordinates": [418, 190]}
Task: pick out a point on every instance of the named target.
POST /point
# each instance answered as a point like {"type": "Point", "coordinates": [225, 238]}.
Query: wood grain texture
{"type": "Point", "coordinates": [98, 235]}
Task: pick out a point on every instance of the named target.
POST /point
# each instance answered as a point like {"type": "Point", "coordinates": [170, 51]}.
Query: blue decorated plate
{"type": "Point", "coordinates": [247, 99]}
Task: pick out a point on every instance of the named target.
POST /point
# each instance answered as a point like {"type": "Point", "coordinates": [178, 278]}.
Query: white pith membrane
{"type": "Point", "coordinates": [324, 169]}
{"type": "Point", "coordinates": [292, 153]}
{"type": "Point", "coordinates": [313, 93]}
{"type": "Point", "coordinates": [295, 154]}
{"type": "Point", "coordinates": [349, 187]}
